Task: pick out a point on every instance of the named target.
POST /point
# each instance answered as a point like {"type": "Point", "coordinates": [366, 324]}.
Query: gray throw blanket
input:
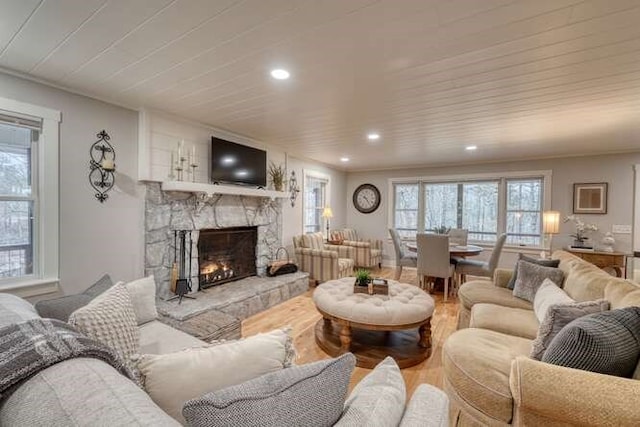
{"type": "Point", "coordinates": [28, 347]}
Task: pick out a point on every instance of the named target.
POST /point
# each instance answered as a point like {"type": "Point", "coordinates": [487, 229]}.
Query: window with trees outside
{"type": "Point", "coordinates": [315, 200]}
{"type": "Point", "coordinates": [18, 198]}
{"type": "Point", "coordinates": [487, 207]}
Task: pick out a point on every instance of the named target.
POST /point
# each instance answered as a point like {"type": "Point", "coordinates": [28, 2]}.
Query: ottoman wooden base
{"type": "Point", "coordinates": [407, 346]}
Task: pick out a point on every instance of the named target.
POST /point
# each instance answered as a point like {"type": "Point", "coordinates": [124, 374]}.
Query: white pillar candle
{"type": "Point", "coordinates": [180, 148]}
{"type": "Point", "coordinates": [172, 161]}
{"type": "Point", "coordinates": [193, 154]}
{"type": "Point", "coordinates": [108, 165]}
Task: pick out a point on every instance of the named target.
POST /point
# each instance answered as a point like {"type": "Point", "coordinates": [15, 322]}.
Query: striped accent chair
{"type": "Point", "coordinates": [368, 253]}
{"type": "Point", "coordinates": [322, 261]}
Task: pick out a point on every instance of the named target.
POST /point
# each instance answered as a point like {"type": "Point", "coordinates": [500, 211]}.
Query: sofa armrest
{"type": "Point", "coordinates": [317, 252]}
{"type": "Point", "coordinates": [376, 244]}
{"type": "Point", "coordinates": [356, 243]}
{"type": "Point", "coordinates": [428, 407]}
{"type": "Point", "coordinates": [546, 393]}
{"type": "Point", "coordinates": [501, 277]}
{"type": "Point", "coordinates": [342, 250]}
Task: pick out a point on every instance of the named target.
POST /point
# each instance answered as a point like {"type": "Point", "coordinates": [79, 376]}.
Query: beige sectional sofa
{"type": "Point", "coordinates": [490, 378]}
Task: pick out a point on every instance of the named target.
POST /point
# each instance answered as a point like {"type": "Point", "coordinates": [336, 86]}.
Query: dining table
{"type": "Point", "coordinates": [462, 251]}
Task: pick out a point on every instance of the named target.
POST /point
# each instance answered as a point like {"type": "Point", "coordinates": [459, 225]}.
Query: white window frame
{"type": "Point", "coordinates": [309, 173]}
{"type": "Point", "coordinates": [546, 176]}
{"type": "Point", "coordinates": [46, 236]}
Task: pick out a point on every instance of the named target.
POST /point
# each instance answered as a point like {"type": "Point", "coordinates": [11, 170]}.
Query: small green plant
{"type": "Point", "coordinates": [277, 174]}
{"type": "Point", "coordinates": [363, 277]}
{"type": "Point", "coordinates": [442, 230]}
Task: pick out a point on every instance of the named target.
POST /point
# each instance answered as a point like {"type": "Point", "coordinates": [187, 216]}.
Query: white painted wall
{"type": "Point", "coordinates": [616, 169]}
{"type": "Point", "coordinates": [95, 238]}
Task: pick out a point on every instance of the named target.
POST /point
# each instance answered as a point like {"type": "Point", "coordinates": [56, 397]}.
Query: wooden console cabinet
{"type": "Point", "coordinates": [614, 263]}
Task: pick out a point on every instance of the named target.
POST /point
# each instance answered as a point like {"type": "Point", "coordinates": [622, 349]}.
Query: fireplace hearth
{"type": "Point", "coordinates": [226, 254]}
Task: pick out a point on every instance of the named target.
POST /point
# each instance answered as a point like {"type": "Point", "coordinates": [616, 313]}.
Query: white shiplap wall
{"type": "Point", "coordinates": [160, 134]}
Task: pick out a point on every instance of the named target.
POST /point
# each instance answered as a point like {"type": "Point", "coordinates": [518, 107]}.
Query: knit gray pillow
{"type": "Point", "coordinates": [309, 395]}
{"type": "Point", "coordinates": [607, 343]}
{"type": "Point", "coordinates": [378, 399]}
{"type": "Point", "coordinates": [558, 316]}
{"type": "Point", "coordinates": [531, 276]}
{"type": "Point", "coordinates": [543, 262]}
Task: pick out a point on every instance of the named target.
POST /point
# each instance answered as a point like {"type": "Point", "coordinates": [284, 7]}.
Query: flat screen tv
{"type": "Point", "coordinates": [237, 164]}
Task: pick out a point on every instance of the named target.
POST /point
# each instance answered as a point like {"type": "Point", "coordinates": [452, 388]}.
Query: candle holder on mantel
{"type": "Point", "coordinates": [179, 165]}
{"type": "Point", "coordinates": [102, 166]}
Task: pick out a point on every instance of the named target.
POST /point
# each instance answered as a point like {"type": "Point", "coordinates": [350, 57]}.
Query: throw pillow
{"type": "Point", "coordinates": [531, 276]}
{"type": "Point", "coordinates": [110, 319]}
{"type": "Point", "coordinates": [606, 343]}
{"type": "Point", "coordinates": [143, 297]}
{"type": "Point", "coordinates": [548, 294]}
{"type": "Point", "coordinates": [377, 400]}
{"type": "Point", "coordinates": [172, 379]}
{"type": "Point", "coordinates": [557, 317]}
{"type": "Point", "coordinates": [14, 309]}
{"type": "Point", "coordinates": [309, 395]}
{"type": "Point", "coordinates": [543, 262]}
{"type": "Point", "coordinates": [61, 308]}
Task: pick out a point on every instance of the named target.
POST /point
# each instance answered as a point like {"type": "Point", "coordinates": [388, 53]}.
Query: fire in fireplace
{"type": "Point", "coordinates": [226, 254]}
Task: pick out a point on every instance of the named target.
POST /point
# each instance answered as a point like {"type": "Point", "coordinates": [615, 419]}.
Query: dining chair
{"type": "Point", "coordinates": [458, 236]}
{"type": "Point", "coordinates": [434, 260]}
{"type": "Point", "coordinates": [481, 268]}
{"type": "Point", "coordinates": [404, 258]}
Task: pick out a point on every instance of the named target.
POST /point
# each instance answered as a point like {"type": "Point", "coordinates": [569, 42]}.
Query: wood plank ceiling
{"type": "Point", "coordinates": [518, 79]}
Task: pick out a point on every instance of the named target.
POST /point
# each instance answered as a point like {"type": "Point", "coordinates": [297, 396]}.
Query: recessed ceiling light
{"type": "Point", "coordinates": [373, 136]}
{"type": "Point", "coordinates": [471, 147]}
{"type": "Point", "coordinates": [280, 74]}
{"type": "Point", "coordinates": [344, 159]}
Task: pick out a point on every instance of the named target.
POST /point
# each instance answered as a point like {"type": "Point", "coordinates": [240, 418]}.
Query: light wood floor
{"type": "Point", "coordinates": [301, 315]}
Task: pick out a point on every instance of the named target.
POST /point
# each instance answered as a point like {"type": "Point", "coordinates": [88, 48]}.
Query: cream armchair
{"type": "Point", "coordinates": [368, 253]}
{"type": "Point", "coordinates": [322, 261]}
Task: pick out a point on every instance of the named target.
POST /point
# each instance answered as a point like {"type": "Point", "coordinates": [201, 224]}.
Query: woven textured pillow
{"type": "Point", "coordinates": [306, 395]}
{"type": "Point", "coordinates": [377, 400]}
{"type": "Point", "coordinates": [531, 276]}
{"type": "Point", "coordinates": [110, 319]}
{"type": "Point", "coordinates": [607, 343]}
{"type": "Point", "coordinates": [543, 262]}
{"type": "Point", "coordinates": [557, 317]}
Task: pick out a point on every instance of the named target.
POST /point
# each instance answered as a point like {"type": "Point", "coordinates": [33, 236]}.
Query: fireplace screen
{"type": "Point", "coordinates": [226, 254]}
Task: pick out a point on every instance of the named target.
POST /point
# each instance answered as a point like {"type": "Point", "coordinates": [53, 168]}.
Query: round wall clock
{"type": "Point", "coordinates": [366, 198]}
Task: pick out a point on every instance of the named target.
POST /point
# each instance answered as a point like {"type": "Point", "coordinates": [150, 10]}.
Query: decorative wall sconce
{"type": "Point", "coordinates": [293, 189]}
{"type": "Point", "coordinates": [102, 166]}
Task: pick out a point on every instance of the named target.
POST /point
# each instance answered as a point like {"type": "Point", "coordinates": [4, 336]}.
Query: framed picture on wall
{"type": "Point", "coordinates": [590, 198]}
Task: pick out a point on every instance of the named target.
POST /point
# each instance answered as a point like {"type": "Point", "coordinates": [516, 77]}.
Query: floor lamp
{"type": "Point", "coordinates": [327, 214]}
{"type": "Point", "coordinates": [550, 226]}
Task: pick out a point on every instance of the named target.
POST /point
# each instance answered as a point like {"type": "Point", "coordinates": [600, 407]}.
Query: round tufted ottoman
{"type": "Point", "coordinates": [373, 327]}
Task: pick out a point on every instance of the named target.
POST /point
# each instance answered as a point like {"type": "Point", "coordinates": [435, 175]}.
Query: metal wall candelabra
{"type": "Point", "coordinates": [294, 189]}
{"type": "Point", "coordinates": [102, 166]}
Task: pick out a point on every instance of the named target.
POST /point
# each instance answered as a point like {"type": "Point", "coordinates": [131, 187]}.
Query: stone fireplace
{"type": "Point", "coordinates": [166, 212]}
{"type": "Point", "coordinates": [226, 254]}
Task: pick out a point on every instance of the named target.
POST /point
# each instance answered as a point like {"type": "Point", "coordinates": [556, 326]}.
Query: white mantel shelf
{"type": "Point", "coordinates": [211, 189]}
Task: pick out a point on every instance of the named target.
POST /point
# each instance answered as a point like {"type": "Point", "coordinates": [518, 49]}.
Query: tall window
{"type": "Point", "coordinates": [18, 198]}
{"type": "Point", "coordinates": [315, 200]}
{"type": "Point", "coordinates": [469, 205]}
{"type": "Point", "coordinates": [486, 207]}
{"type": "Point", "coordinates": [524, 211]}
{"type": "Point", "coordinates": [406, 209]}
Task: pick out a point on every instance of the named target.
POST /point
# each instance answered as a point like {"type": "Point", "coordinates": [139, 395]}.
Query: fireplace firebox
{"type": "Point", "coordinates": [226, 254]}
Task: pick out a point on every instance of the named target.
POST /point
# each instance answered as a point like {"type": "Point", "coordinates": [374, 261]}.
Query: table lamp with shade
{"type": "Point", "coordinates": [327, 214]}
{"type": "Point", "coordinates": [550, 226]}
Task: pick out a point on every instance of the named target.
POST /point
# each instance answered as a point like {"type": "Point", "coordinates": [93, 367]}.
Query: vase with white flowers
{"type": "Point", "coordinates": [582, 232]}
